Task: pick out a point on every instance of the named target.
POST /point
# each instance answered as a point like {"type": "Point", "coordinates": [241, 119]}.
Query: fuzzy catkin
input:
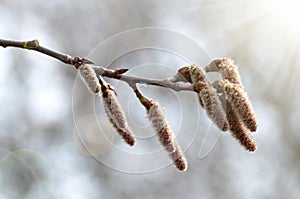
{"type": "Point", "coordinates": [208, 96]}
{"type": "Point", "coordinates": [161, 127]}
{"type": "Point", "coordinates": [237, 129]}
{"type": "Point", "coordinates": [116, 115]}
{"type": "Point", "coordinates": [125, 133]}
{"type": "Point", "coordinates": [197, 74]}
{"type": "Point", "coordinates": [192, 74]}
{"type": "Point", "coordinates": [166, 137]}
{"type": "Point", "coordinates": [184, 74]}
{"type": "Point", "coordinates": [179, 160]}
{"type": "Point", "coordinates": [213, 106]}
{"type": "Point", "coordinates": [241, 104]}
{"type": "Point", "coordinates": [227, 69]}
{"type": "Point", "coordinates": [113, 107]}
{"type": "Point", "coordinates": [89, 77]}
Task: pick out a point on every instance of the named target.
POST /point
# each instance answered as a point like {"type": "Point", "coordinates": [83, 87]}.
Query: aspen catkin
{"type": "Point", "coordinates": [226, 68]}
{"type": "Point", "coordinates": [237, 129]}
{"type": "Point", "coordinates": [116, 114]}
{"type": "Point", "coordinates": [89, 77]}
{"type": "Point", "coordinates": [163, 131]}
{"type": "Point", "coordinates": [208, 97]}
{"type": "Point", "coordinates": [213, 106]}
{"type": "Point", "coordinates": [241, 104]}
{"type": "Point", "coordinates": [166, 137]}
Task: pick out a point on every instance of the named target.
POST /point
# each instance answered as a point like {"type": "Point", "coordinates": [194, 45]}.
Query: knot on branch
{"type": "Point", "coordinates": [31, 45]}
{"type": "Point", "coordinates": [78, 61]}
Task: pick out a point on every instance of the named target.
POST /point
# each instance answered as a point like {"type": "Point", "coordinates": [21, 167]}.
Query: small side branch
{"type": "Point", "coordinates": [167, 83]}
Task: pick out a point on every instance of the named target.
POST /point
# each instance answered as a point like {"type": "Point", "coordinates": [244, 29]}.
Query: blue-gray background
{"type": "Point", "coordinates": [36, 92]}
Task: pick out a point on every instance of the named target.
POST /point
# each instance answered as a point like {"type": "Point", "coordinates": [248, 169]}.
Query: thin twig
{"type": "Point", "coordinates": [167, 83]}
{"type": "Point", "coordinates": [35, 45]}
{"type": "Point", "coordinates": [115, 74]}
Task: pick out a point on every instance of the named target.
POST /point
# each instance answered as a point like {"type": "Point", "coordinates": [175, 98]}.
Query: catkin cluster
{"type": "Point", "coordinates": [208, 96]}
{"type": "Point", "coordinates": [112, 107]}
{"type": "Point", "coordinates": [225, 101]}
{"type": "Point", "coordinates": [239, 110]}
{"type": "Point", "coordinates": [117, 117]}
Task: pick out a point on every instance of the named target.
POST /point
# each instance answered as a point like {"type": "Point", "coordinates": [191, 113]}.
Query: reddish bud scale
{"type": "Point", "coordinates": [185, 73]}
{"type": "Point", "coordinates": [197, 74]}
{"type": "Point", "coordinates": [121, 71]}
{"type": "Point", "coordinates": [239, 99]}
{"type": "Point", "coordinates": [193, 74]}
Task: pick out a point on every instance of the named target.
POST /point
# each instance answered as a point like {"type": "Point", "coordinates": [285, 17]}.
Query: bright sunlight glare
{"type": "Point", "coordinates": [266, 34]}
{"type": "Point", "coordinates": [284, 12]}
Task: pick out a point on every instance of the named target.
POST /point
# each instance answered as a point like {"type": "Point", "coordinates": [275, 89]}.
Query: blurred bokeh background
{"type": "Point", "coordinates": [41, 100]}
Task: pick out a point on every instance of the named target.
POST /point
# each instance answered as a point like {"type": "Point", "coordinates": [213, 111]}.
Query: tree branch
{"type": "Point", "coordinates": [188, 78]}
{"type": "Point", "coordinates": [171, 83]}
{"type": "Point", "coordinates": [35, 45]}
